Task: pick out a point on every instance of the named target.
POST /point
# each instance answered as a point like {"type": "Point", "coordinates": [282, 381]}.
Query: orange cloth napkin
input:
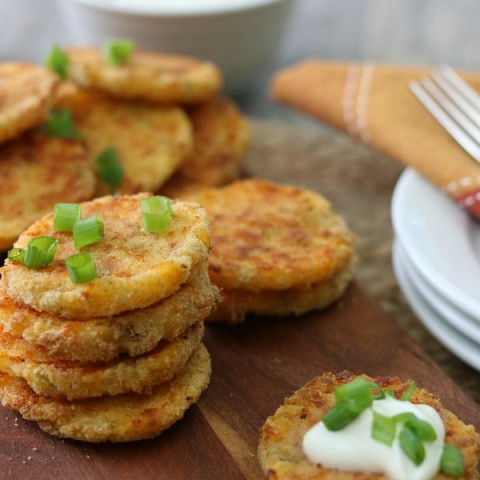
{"type": "Point", "coordinates": [374, 104]}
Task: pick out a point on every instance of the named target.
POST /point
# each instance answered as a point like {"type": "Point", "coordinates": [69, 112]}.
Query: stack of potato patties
{"type": "Point", "coordinates": [120, 357]}
{"type": "Point", "coordinates": [163, 115]}
{"type": "Point", "coordinates": [277, 250]}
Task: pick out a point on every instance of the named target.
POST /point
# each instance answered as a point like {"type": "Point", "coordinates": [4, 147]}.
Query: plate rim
{"type": "Point", "coordinates": [446, 334]}
{"type": "Point", "coordinates": [402, 221]}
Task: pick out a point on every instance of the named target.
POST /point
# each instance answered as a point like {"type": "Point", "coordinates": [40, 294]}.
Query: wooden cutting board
{"type": "Point", "coordinates": [255, 365]}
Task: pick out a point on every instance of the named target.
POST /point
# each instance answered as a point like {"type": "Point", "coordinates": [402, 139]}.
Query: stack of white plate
{"type": "Point", "coordinates": [436, 258]}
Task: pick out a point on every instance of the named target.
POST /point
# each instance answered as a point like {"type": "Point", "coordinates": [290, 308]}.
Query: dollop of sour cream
{"type": "Point", "coordinates": [353, 448]}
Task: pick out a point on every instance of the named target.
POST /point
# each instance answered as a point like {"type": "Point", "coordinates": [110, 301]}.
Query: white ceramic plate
{"type": "Point", "coordinates": [451, 338]}
{"type": "Point", "coordinates": [447, 310]}
{"type": "Point", "coordinates": [441, 239]}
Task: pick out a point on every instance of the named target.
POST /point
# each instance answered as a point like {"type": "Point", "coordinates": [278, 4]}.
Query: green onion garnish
{"type": "Point", "coordinates": [383, 429]}
{"type": "Point", "coordinates": [60, 124]}
{"type": "Point", "coordinates": [408, 392]}
{"type": "Point", "coordinates": [66, 214]}
{"type": "Point", "coordinates": [157, 213]}
{"type": "Point", "coordinates": [16, 254]}
{"type": "Point", "coordinates": [57, 60]}
{"type": "Point", "coordinates": [411, 445]}
{"type": "Point", "coordinates": [424, 431]}
{"type": "Point", "coordinates": [357, 393]}
{"type": "Point", "coordinates": [451, 461]}
{"type": "Point", "coordinates": [40, 251]}
{"type": "Point", "coordinates": [118, 51]}
{"type": "Point", "coordinates": [88, 231]}
{"type": "Point", "coordinates": [81, 267]}
{"type": "Point", "coordinates": [356, 396]}
{"type": "Point", "coordinates": [109, 168]}
{"type": "Point", "coordinates": [339, 417]}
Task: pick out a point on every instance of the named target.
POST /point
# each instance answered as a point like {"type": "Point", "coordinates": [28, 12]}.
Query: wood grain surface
{"type": "Point", "coordinates": [257, 364]}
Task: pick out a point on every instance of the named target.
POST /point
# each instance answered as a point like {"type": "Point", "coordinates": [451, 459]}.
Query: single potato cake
{"type": "Point", "coordinates": [280, 449]}
{"type": "Point", "coordinates": [26, 94]}
{"type": "Point", "coordinates": [276, 249]}
{"type": "Point", "coordinates": [37, 172]}
{"type": "Point", "coordinates": [135, 268]}
{"type": "Point", "coordinates": [146, 76]}
{"type": "Point", "coordinates": [151, 141]}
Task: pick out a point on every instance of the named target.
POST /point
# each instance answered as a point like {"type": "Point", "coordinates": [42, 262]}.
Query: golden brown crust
{"type": "Point", "coordinates": [273, 237]}
{"type": "Point", "coordinates": [37, 172]}
{"type": "Point", "coordinates": [152, 141]}
{"type": "Point", "coordinates": [135, 268]}
{"type": "Point", "coordinates": [102, 339]}
{"type": "Point", "coordinates": [280, 451]}
{"type": "Point", "coordinates": [146, 76]}
{"type": "Point", "coordinates": [25, 94]}
{"type": "Point", "coordinates": [276, 249]}
{"type": "Point", "coordinates": [76, 380]}
{"type": "Point", "coordinates": [221, 137]}
{"type": "Point", "coordinates": [236, 304]}
{"type": "Point", "coordinates": [121, 418]}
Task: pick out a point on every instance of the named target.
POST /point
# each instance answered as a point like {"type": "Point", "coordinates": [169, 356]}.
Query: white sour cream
{"type": "Point", "coordinates": [353, 448]}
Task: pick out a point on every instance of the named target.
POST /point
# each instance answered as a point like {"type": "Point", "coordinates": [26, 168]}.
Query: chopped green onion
{"type": "Point", "coordinates": [60, 124]}
{"type": "Point", "coordinates": [109, 168]}
{"type": "Point", "coordinates": [339, 416]}
{"type": "Point", "coordinates": [383, 429]}
{"type": "Point", "coordinates": [424, 431]}
{"type": "Point", "coordinates": [66, 214]}
{"type": "Point", "coordinates": [411, 445]}
{"type": "Point", "coordinates": [81, 267]}
{"type": "Point", "coordinates": [40, 251]}
{"type": "Point", "coordinates": [404, 417]}
{"type": "Point", "coordinates": [117, 52]}
{"type": "Point", "coordinates": [88, 231]}
{"type": "Point", "coordinates": [358, 390]}
{"type": "Point", "coordinates": [57, 60]}
{"type": "Point", "coordinates": [408, 392]}
{"type": "Point", "coordinates": [451, 461]}
{"type": "Point", "coordinates": [157, 213]}
{"type": "Point", "coordinates": [16, 254]}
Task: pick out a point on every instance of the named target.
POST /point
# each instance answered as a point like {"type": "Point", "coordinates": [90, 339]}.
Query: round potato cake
{"type": "Point", "coordinates": [76, 380]}
{"type": "Point", "coordinates": [271, 240]}
{"type": "Point", "coordinates": [151, 141]}
{"type": "Point", "coordinates": [36, 172]}
{"type": "Point", "coordinates": [135, 268]}
{"type": "Point", "coordinates": [280, 446]}
{"type": "Point", "coordinates": [102, 339]}
{"type": "Point", "coordinates": [146, 76]}
{"type": "Point", "coordinates": [120, 418]}
{"type": "Point", "coordinates": [26, 91]}
{"type": "Point", "coordinates": [221, 137]}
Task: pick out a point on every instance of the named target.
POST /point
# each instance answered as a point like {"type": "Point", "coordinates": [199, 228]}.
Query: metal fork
{"type": "Point", "coordinates": [454, 104]}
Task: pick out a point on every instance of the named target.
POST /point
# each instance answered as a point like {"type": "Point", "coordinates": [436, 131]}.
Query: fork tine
{"type": "Point", "coordinates": [430, 103]}
{"type": "Point", "coordinates": [455, 88]}
{"type": "Point", "coordinates": [451, 108]}
{"type": "Point", "coordinates": [468, 92]}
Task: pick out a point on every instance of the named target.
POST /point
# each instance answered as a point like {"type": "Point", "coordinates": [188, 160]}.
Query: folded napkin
{"type": "Point", "coordinates": [374, 104]}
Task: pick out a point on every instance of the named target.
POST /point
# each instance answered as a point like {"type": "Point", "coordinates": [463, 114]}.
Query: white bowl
{"type": "Point", "coordinates": [239, 36]}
